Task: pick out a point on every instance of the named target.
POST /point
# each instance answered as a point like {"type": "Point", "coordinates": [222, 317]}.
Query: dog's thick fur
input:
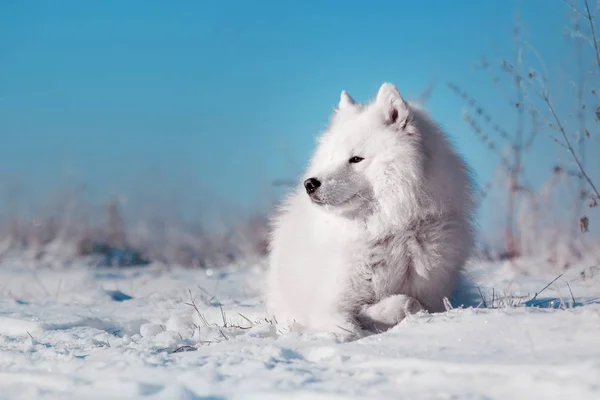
{"type": "Point", "coordinates": [385, 234]}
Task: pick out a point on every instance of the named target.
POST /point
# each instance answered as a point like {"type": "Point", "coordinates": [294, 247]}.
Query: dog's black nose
{"type": "Point", "coordinates": [311, 184]}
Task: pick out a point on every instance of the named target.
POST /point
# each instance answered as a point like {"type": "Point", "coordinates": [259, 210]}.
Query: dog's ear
{"type": "Point", "coordinates": [346, 101]}
{"type": "Point", "coordinates": [395, 109]}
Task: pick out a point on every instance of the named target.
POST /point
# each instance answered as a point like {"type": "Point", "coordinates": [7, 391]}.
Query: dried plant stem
{"type": "Point", "coordinates": [590, 19]}
{"type": "Point", "coordinates": [568, 144]}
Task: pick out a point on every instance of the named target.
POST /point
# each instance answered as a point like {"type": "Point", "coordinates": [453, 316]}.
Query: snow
{"type": "Point", "coordinates": [78, 332]}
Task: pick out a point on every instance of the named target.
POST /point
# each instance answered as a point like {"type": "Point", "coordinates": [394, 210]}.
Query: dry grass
{"type": "Point", "coordinates": [73, 229]}
{"type": "Point", "coordinates": [553, 218]}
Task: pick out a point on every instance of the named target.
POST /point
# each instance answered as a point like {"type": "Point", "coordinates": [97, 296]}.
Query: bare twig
{"type": "Point", "coordinates": [484, 303]}
{"type": "Point", "coordinates": [590, 18]}
{"type": "Point", "coordinates": [572, 297]}
{"type": "Point", "coordinates": [246, 318]}
{"type": "Point", "coordinates": [569, 146]}
{"type": "Point", "coordinates": [192, 304]}
{"type": "Point", "coordinates": [223, 316]}
{"type": "Point", "coordinates": [545, 287]}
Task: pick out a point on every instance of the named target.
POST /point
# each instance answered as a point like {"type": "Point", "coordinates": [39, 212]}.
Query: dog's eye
{"type": "Point", "coordinates": [355, 160]}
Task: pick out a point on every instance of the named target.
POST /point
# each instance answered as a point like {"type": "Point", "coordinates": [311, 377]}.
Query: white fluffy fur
{"type": "Point", "coordinates": [380, 238]}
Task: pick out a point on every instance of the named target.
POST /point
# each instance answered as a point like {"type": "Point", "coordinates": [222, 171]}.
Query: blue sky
{"type": "Point", "coordinates": [216, 99]}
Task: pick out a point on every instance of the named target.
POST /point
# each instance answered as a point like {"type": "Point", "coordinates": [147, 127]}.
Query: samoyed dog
{"type": "Point", "coordinates": [379, 226]}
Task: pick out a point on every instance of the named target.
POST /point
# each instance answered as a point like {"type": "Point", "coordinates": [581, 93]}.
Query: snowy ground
{"type": "Point", "coordinates": [65, 334]}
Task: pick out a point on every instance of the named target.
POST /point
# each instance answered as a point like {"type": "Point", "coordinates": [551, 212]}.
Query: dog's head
{"type": "Point", "coordinates": [365, 155]}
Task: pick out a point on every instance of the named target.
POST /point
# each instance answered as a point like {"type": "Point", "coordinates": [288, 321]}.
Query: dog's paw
{"type": "Point", "coordinates": [388, 312]}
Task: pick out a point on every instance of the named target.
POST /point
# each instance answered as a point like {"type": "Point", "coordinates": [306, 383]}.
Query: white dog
{"type": "Point", "coordinates": [380, 225]}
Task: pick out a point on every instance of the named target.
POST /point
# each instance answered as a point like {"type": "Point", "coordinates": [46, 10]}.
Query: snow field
{"type": "Point", "coordinates": [174, 333]}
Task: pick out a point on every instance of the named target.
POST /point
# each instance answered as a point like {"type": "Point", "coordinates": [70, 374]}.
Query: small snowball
{"type": "Point", "coordinates": [178, 324]}
{"type": "Point", "coordinates": [126, 339]}
{"type": "Point", "coordinates": [167, 339]}
{"type": "Point", "coordinates": [133, 326]}
{"type": "Point", "coordinates": [148, 330]}
{"type": "Point", "coordinates": [136, 337]}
